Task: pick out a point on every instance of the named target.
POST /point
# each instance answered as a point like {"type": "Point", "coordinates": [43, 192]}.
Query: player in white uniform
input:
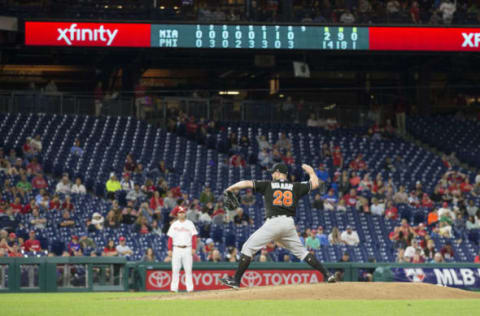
{"type": "Point", "coordinates": [182, 243]}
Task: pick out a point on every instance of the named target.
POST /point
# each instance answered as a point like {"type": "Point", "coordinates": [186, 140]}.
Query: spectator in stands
{"type": "Point", "coordinates": [284, 143]}
{"type": "Point", "coordinates": [78, 187]}
{"type": "Point", "coordinates": [66, 221]}
{"type": "Point", "coordinates": [330, 200]}
{"type": "Point", "coordinates": [429, 250]}
{"type": "Point", "coordinates": [401, 197]}
{"type": "Point", "coordinates": [130, 164]}
{"type": "Point", "coordinates": [206, 195]}
{"type": "Point", "coordinates": [248, 199]}
{"type": "Point", "coordinates": [24, 186]}
{"type": "Point", "coordinates": [114, 216]}
{"type": "Point", "coordinates": [8, 220]}
{"type": "Point", "coordinates": [67, 204]}
{"type": "Point", "coordinates": [170, 202]}
{"type": "Point", "coordinates": [447, 9]}
{"type": "Point", "coordinates": [112, 185]}
{"type": "Point", "coordinates": [376, 208]}
{"type": "Point", "coordinates": [110, 250]}
{"type": "Point", "coordinates": [36, 220]}
{"type": "Point", "coordinates": [97, 222]}
{"type": "Point", "coordinates": [16, 205]}
{"type": "Point", "coordinates": [63, 186]}
{"type": "Point", "coordinates": [265, 158]}
{"type": "Point", "coordinates": [312, 242]}
{"type": "Point", "coordinates": [149, 256]}
{"type": "Point", "coordinates": [86, 242]}
{"type": "Point", "coordinates": [447, 251]}
{"type": "Point", "coordinates": [317, 202]}
{"type": "Point", "coordinates": [347, 17]}
{"type": "Point", "coordinates": [36, 144]}
{"type": "Point", "coordinates": [55, 203]}
{"type": "Point", "coordinates": [477, 258]}
{"type": "Point", "coordinates": [156, 202]}
{"type": "Point", "coordinates": [76, 150]}
{"type": "Point", "coordinates": [122, 249]}
{"type": "Point", "coordinates": [242, 218]}
{"type": "Point", "coordinates": [129, 215]}
{"type": "Point", "coordinates": [263, 144]}
{"type": "Point", "coordinates": [433, 218]}
{"type": "Point", "coordinates": [27, 149]}
{"type": "Point", "coordinates": [126, 183]}
{"type": "Point", "coordinates": [34, 166]}
{"type": "Point", "coordinates": [411, 250]}
{"type": "Point", "coordinates": [351, 198]}
{"type": "Point", "coordinates": [39, 182]}
{"type": "Point", "coordinates": [391, 212]}
{"type": "Point", "coordinates": [358, 163]}
{"type": "Point", "coordinates": [323, 176]}
{"type": "Point", "coordinates": [136, 194]}
{"type": "Point", "coordinates": [350, 237]}
{"type": "Point", "coordinates": [321, 236]}
{"type": "Point", "coordinates": [32, 244]}
{"type": "Point", "coordinates": [426, 201]}
{"type": "Point", "coordinates": [288, 158]}
{"type": "Point", "coordinates": [236, 160]}
{"type": "Point", "coordinates": [74, 248]}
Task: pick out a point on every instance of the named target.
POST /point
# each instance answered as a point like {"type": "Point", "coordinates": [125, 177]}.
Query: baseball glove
{"type": "Point", "coordinates": [230, 201]}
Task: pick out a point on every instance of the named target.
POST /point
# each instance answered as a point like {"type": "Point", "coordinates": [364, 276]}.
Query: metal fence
{"type": "Point", "coordinates": [156, 109]}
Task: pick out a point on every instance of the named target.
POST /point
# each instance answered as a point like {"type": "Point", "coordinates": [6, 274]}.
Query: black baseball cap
{"type": "Point", "coordinates": [280, 167]}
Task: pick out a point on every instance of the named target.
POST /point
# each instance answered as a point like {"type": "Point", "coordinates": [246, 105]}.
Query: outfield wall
{"type": "Point", "coordinates": [84, 274]}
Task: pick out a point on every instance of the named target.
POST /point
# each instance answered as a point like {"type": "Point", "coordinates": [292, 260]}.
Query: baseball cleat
{"type": "Point", "coordinates": [230, 282]}
{"type": "Point", "coordinates": [331, 279]}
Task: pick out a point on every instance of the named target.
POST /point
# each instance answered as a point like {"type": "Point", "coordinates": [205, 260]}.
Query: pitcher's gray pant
{"type": "Point", "coordinates": [280, 229]}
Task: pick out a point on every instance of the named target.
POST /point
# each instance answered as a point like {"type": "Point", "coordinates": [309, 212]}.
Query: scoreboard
{"type": "Point", "coordinates": [259, 36]}
{"type": "Point", "coordinates": [252, 36]}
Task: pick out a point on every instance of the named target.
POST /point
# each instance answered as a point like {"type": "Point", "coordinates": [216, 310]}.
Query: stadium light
{"type": "Point", "coordinates": [229, 92]}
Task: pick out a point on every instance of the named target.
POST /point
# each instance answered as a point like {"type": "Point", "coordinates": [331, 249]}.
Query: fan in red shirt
{"type": "Point", "coordinates": [420, 230]}
{"type": "Point", "coordinates": [477, 258]}
{"type": "Point", "coordinates": [54, 203]}
{"type": "Point", "coordinates": [466, 187]}
{"type": "Point", "coordinates": [358, 163]}
{"type": "Point", "coordinates": [156, 201]}
{"type": "Point", "coordinates": [32, 244]}
{"type": "Point", "coordinates": [68, 205]}
{"type": "Point", "coordinates": [288, 158]}
{"type": "Point", "coordinates": [391, 212]}
{"type": "Point", "coordinates": [27, 147]}
{"type": "Point", "coordinates": [38, 182]}
{"type": "Point", "coordinates": [29, 207]}
{"type": "Point", "coordinates": [17, 205]}
{"type": "Point", "coordinates": [351, 198]}
{"type": "Point", "coordinates": [426, 201]}
{"type": "Point", "coordinates": [237, 161]}
{"type": "Point", "coordinates": [15, 251]}
{"type": "Point", "coordinates": [337, 157]}
{"type": "Point", "coordinates": [34, 166]}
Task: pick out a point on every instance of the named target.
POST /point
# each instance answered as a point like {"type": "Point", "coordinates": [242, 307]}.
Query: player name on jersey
{"type": "Point", "coordinates": [282, 186]}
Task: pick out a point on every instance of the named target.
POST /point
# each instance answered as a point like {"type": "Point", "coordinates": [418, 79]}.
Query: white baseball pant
{"type": "Point", "coordinates": [182, 257]}
{"type": "Point", "coordinates": [280, 229]}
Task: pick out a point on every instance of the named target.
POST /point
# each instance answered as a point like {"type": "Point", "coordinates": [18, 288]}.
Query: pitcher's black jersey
{"type": "Point", "coordinates": [281, 197]}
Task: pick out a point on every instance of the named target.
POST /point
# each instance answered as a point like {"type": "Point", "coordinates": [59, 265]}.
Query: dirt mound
{"type": "Point", "coordinates": [337, 291]}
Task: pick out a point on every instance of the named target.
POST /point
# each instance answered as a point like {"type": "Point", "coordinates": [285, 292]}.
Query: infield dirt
{"type": "Point", "coordinates": [337, 291]}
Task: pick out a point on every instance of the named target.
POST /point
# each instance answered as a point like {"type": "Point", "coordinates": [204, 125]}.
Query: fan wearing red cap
{"type": "Point", "coordinates": [122, 249]}
{"type": "Point", "coordinates": [74, 248]}
{"type": "Point", "coordinates": [182, 243]}
{"type": "Point", "coordinates": [32, 244]}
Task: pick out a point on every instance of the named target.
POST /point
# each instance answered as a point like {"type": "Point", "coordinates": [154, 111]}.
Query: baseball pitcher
{"type": "Point", "coordinates": [280, 198]}
{"type": "Point", "coordinates": [182, 243]}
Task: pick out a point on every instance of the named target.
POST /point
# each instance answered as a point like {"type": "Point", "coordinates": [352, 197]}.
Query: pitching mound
{"type": "Point", "coordinates": [337, 291]}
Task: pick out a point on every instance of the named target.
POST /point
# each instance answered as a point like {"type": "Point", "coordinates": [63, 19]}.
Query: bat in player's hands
{"type": "Point", "coordinates": [308, 169]}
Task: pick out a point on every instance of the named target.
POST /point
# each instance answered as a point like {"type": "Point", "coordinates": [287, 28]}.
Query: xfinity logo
{"type": "Point", "coordinates": [471, 39]}
{"type": "Point", "coordinates": [74, 34]}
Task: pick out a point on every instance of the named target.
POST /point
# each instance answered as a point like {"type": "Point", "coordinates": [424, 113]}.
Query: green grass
{"type": "Point", "coordinates": [116, 304]}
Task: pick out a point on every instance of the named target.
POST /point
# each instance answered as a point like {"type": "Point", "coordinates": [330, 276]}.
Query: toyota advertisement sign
{"type": "Point", "coordinates": [464, 278]}
{"type": "Point", "coordinates": [159, 280]}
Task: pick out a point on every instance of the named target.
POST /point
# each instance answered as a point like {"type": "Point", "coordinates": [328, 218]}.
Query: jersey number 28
{"type": "Point", "coordinates": [283, 198]}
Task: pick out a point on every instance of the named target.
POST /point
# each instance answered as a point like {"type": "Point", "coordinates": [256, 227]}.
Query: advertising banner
{"type": "Point", "coordinates": [452, 39]}
{"type": "Point", "coordinates": [158, 280]}
{"type": "Point", "coordinates": [87, 34]}
{"type": "Point", "coordinates": [464, 278]}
